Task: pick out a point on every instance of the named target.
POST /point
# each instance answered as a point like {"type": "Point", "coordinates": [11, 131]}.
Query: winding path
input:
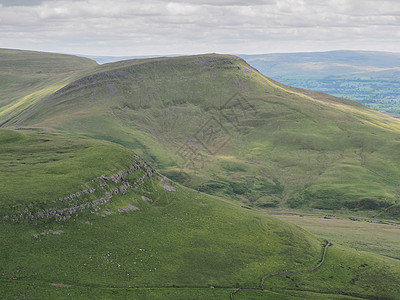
{"type": "Point", "coordinates": [261, 288]}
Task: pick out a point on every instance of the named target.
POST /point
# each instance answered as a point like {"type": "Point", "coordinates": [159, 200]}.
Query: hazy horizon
{"type": "Point", "coordinates": [134, 28]}
{"type": "Point", "coordinates": [92, 56]}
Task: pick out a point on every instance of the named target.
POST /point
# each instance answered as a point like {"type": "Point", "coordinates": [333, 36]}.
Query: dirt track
{"type": "Point", "coordinates": [261, 288]}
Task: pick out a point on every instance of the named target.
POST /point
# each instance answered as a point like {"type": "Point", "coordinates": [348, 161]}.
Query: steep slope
{"type": "Point", "coordinates": [28, 76]}
{"type": "Point", "coordinates": [215, 124]}
{"type": "Point", "coordinates": [100, 222]}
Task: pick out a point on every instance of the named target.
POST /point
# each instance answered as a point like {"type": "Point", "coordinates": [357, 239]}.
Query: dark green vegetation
{"type": "Point", "coordinates": [83, 216]}
{"type": "Point", "coordinates": [271, 145]}
{"type": "Point", "coordinates": [371, 78]}
{"type": "Point", "coordinates": [152, 239]}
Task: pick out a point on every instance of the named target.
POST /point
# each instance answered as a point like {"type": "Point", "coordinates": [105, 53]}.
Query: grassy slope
{"type": "Point", "coordinates": [38, 166]}
{"type": "Point", "coordinates": [26, 77]}
{"type": "Point", "coordinates": [294, 147]}
{"type": "Point", "coordinates": [182, 238]}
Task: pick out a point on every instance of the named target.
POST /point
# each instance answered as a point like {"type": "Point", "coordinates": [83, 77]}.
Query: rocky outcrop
{"type": "Point", "coordinates": [165, 181]}
{"type": "Point", "coordinates": [86, 199]}
{"type": "Point", "coordinates": [129, 207]}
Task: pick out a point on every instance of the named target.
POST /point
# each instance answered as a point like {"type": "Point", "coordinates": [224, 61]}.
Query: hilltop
{"type": "Point", "coordinates": [213, 123]}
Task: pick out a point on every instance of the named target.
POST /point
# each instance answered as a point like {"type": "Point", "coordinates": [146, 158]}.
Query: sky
{"type": "Point", "coordinates": [155, 27]}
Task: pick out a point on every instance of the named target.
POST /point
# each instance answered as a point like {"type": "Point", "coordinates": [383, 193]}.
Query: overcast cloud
{"type": "Point", "coordinates": [106, 27]}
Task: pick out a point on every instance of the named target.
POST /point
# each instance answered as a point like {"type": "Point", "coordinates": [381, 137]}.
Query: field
{"type": "Point", "coordinates": [370, 78]}
{"type": "Point", "coordinates": [363, 234]}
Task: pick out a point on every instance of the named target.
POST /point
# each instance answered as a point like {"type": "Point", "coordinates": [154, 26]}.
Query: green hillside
{"type": "Point", "coordinates": [84, 218]}
{"type": "Point", "coordinates": [215, 124]}
{"type": "Point", "coordinates": [26, 77]}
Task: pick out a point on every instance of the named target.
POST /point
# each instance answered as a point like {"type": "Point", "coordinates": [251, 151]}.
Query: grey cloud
{"type": "Point", "coordinates": [227, 2]}
{"type": "Point", "coordinates": [135, 27]}
{"type": "Point", "coordinates": [20, 2]}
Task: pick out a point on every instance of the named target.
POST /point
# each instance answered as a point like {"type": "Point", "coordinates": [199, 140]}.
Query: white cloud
{"type": "Point", "coordinates": [230, 26]}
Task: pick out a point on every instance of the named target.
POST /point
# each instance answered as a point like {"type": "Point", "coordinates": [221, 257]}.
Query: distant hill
{"type": "Point", "coordinates": [371, 78]}
{"type": "Point", "coordinates": [28, 76]}
{"type": "Point", "coordinates": [111, 59]}
{"type": "Point", "coordinates": [215, 124]}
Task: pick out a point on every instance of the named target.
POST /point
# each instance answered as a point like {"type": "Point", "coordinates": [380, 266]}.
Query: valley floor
{"type": "Point", "coordinates": [377, 236]}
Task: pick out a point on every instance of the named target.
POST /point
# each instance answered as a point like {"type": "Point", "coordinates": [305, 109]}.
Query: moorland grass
{"type": "Point", "coordinates": [182, 238]}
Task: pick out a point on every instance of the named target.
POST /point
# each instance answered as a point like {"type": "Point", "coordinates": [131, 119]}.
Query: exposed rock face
{"type": "Point", "coordinates": [106, 186]}
{"type": "Point", "coordinates": [144, 198]}
{"type": "Point", "coordinates": [129, 207]}
{"type": "Point", "coordinates": [166, 184]}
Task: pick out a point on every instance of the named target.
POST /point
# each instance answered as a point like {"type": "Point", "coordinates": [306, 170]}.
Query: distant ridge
{"type": "Point", "coordinates": [110, 59]}
{"type": "Point", "coordinates": [369, 77]}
